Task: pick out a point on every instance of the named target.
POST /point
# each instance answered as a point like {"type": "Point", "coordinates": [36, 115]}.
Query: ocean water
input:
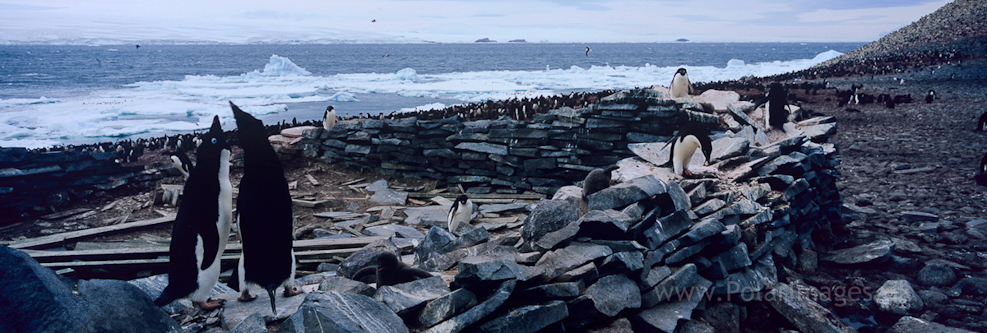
{"type": "Point", "coordinates": [55, 95]}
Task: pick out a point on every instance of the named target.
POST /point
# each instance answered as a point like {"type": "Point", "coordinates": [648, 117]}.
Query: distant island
{"type": "Point", "coordinates": [517, 41]}
{"type": "Point", "coordinates": [485, 40]}
{"type": "Point", "coordinates": [683, 40]}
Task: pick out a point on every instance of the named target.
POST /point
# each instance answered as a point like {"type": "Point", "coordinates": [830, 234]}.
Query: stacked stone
{"type": "Point", "coordinates": [29, 180]}
{"type": "Point", "coordinates": [649, 255]}
{"type": "Point", "coordinates": [555, 149]}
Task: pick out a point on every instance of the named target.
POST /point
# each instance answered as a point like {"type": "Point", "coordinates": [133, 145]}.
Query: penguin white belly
{"type": "Point", "coordinates": [767, 115]}
{"type": "Point", "coordinates": [207, 278]}
{"type": "Point", "coordinates": [330, 120]}
{"type": "Point", "coordinates": [680, 86]}
{"type": "Point", "coordinates": [460, 215]}
{"type": "Point", "coordinates": [684, 149]}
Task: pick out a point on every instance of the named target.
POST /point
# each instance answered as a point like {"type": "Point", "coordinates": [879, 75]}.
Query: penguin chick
{"type": "Point", "coordinates": [597, 180]}
{"type": "Point", "coordinates": [183, 163]}
{"type": "Point", "coordinates": [684, 145]}
{"type": "Point", "coordinates": [329, 118]}
{"type": "Point", "coordinates": [390, 271]}
{"type": "Point", "coordinates": [680, 86]}
{"type": "Point", "coordinates": [460, 212]}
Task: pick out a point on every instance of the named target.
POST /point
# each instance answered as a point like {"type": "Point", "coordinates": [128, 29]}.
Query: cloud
{"type": "Point", "coordinates": [13, 7]}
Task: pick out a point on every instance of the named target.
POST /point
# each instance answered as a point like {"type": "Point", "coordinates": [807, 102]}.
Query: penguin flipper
{"type": "Point", "coordinates": [369, 273]}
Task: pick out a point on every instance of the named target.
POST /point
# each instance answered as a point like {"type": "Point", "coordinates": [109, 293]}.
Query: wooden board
{"type": "Point", "coordinates": [67, 237]}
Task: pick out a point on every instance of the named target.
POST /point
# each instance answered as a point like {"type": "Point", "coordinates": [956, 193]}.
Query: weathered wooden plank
{"type": "Point", "coordinates": [61, 238]}
{"type": "Point", "coordinates": [312, 180]}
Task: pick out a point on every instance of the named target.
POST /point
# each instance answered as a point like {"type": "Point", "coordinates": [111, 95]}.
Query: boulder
{"type": "Point", "coordinates": [548, 216]}
{"type": "Point", "coordinates": [337, 312]}
{"type": "Point", "coordinates": [367, 256]}
{"type": "Point", "coordinates": [665, 228]}
{"type": "Point", "coordinates": [531, 318]}
{"type": "Point", "coordinates": [436, 240]}
{"type": "Point", "coordinates": [253, 323]}
{"type": "Point", "coordinates": [803, 312]}
{"type": "Point", "coordinates": [346, 286]}
{"type": "Point", "coordinates": [605, 224]}
{"type": "Point", "coordinates": [480, 272]}
{"type": "Point", "coordinates": [551, 291]}
{"type": "Point", "coordinates": [898, 297]}
{"type": "Point", "coordinates": [557, 262]}
{"type": "Point", "coordinates": [607, 297]}
{"type": "Point", "coordinates": [626, 193]}
{"type": "Point", "coordinates": [678, 282]}
{"type": "Point", "coordinates": [908, 324]}
{"type": "Point", "coordinates": [665, 316]}
{"type": "Point", "coordinates": [403, 298]}
{"type": "Point", "coordinates": [474, 314]}
{"type": "Point", "coordinates": [442, 308]}
{"type": "Point", "coordinates": [427, 216]}
{"type": "Point", "coordinates": [936, 275]}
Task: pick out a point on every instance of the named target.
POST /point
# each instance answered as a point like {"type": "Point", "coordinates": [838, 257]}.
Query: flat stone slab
{"type": "Point", "coordinates": [428, 215]}
{"type": "Point", "coordinates": [897, 296]}
{"type": "Point", "coordinates": [235, 312]}
{"type": "Point", "coordinates": [908, 324]}
{"type": "Point", "coordinates": [803, 312]}
{"type": "Point", "coordinates": [875, 252]}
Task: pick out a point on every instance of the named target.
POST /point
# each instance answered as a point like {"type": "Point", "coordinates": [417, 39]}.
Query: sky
{"type": "Point", "coordinates": [454, 21]}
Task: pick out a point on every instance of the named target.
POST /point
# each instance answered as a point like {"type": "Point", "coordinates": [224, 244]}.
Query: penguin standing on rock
{"type": "Point", "coordinates": [460, 212]}
{"type": "Point", "coordinates": [329, 118]}
{"type": "Point", "coordinates": [202, 226]}
{"type": "Point", "coordinates": [390, 271]}
{"type": "Point", "coordinates": [264, 214]}
{"type": "Point", "coordinates": [183, 163]}
{"type": "Point", "coordinates": [981, 176]}
{"type": "Point", "coordinates": [680, 86]}
{"type": "Point", "coordinates": [684, 145]}
{"type": "Point", "coordinates": [776, 103]}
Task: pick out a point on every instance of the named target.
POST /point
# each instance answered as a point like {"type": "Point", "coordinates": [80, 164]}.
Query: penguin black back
{"type": "Point", "coordinates": [701, 133]}
{"type": "Point", "coordinates": [982, 122]}
{"type": "Point", "coordinates": [264, 209]}
{"type": "Point", "coordinates": [196, 218]}
{"type": "Point", "coordinates": [778, 97]}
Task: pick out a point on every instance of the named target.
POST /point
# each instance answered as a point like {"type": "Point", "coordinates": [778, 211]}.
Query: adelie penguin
{"type": "Point", "coordinates": [202, 226]}
{"type": "Point", "coordinates": [390, 271]}
{"type": "Point", "coordinates": [684, 145]}
{"type": "Point", "coordinates": [680, 86]}
{"type": "Point", "coordinates": [597, 180]}
{"type": "Point", "coordinates": [183, 163]}
{"type": "Point", "coordinates": [982, 123]}
{"type": "Point", "coordinates": [460, 212]}
{"type": "Point", "coordinates": [981, 176]}
{"type": "Point", "coordinates": [264, 214]}
{"type": "Point", "coordinates": [329, 118]}
{"type": "Point", "coordinates": [931, 96]}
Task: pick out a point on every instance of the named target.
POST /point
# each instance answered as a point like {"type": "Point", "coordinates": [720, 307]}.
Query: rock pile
{"type": "Point", "coordinates": [555, 149]}
{"type": "Point", "coordinates": [29, 180]}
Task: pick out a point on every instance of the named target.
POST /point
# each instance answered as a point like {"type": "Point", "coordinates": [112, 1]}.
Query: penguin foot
{"type": "Point", "coordinates": [211, 304]}
{"type": "Point", "coordinates": [687, 173]}
{"type": "Point", "coordinates": [288, 292]}
{"type": "Point", "coordinates": [245, 296]}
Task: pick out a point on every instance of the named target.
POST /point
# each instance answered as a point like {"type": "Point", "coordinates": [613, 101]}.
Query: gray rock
{"type": "Point", "coordinates": [702, 230]}
{"type": "Point", "coordinates": [912, 216]}
{"type": "Point", "coordinates": [630, 262]}
{"type": "Point", "coordinates": [377, 186]}
{"type": "Point", "coordinates": [428, 215]}
{"type": "Point", "coordinates": [483, 147]}
{"type": "Point", "coordinates": [723, 316]}
{"type": "Point", "coordinates": [548, 216]}
{"type": "Point", "coordinates": [897, 296]}
{"type": "Point", "coordinates": [709, 207]}
{"type": "Point", "coordinates": [675, 194]}
{"type": "Point", "coordinates": [154, 285]}
{"type": "Point", "coordinates": [343, 285]}
{"type": "Point", "coordinates": [605, 224]}
{"type": "Point", "coordinates": [803, 312]}
{"type": "Point", "coordinates": [651, 277]}
{"type": "Point", "coordinates": [529, 318]}
{"type": "Point", "coordinates": [551, 291]}
{"type": "Point", "coordinates": [481, 272]}
{"type": "Point", "coordinates": [390, 230]}
{"type": "Point", "coordinates": [972, 286]}
{"type": "Point", "coordinates": [501, 208]}
{"type": "Point", "coordinates": [337, 312]}
{"type": "Point", "coordinates": [623, 194]}
{"type": "Point", "coordinates": [558, 238]}
{"type": "Point", "coordinates": [876, 252]}
{"type": "Point", "coordinates": [253, 323]}
{"type": "Point", "coordinates": [34, 299]}
{"type": "Point", "coordinates": [727, 147]}
{"type": "Point", "coordinates": [442, 308]}
{"type": "Point", "coordinates": [556, 262]}
{"type": "Point", "coordinates": [685, 252]}
{"type": "Point", "coordinates": [932, 297]}
{"type": "Point", "coordinates": [584, 274]}
{"type": "Point", "coordinates": [665, 317]}
{"type": "Point", "coordinates": [402, 298]}
{"type": "Point", "coordinates": [607, 297]}
{"type": "Point", "coordinates": [680, 280]}
{"type": "Point", "coordinates": [733, 259]}
{"type": "Point", "coordinates": [908, 324]}
{"type": "Point", "coordinates": [749, 281]}
{"type": "Point", "coordinates": [936, 275]}
{"type": "Point", "coordinates": [665, 228]}
{"type": "Point", "coordinates": [366, 256]}
{"type": "Point", "coordinates": [616, 245]}
{"type": "Point", "coordinates": [389, 197]}
{"type": "Point", "coordinates": [235, 312]}
{"type": "Point", "coordinates": [473, 315]}
{"type": "Point", "coordinates": [436, 240]}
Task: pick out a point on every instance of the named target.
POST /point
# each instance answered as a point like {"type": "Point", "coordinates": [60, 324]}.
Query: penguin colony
{"type": "Point", "coordinates": [264, 215]}
{"type": "Point", "coordinates": [202, 226]}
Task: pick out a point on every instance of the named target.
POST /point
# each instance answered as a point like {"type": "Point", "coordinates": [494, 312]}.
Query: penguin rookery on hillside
{"type": "Point", "coordinates": [680, 86]}
{"type": "Point", "coordinates": [597, 180]}
{"type": "Point", "coordinates": [329, 118]}
{"type": "Point", "coordinates": [776, 103]}
{"type": "Point", "coordinates": [202, 226]}
{"type": "Point", "coordinates": [460, 212]}
{"type": "Point", "coordinates": [390, 271]}
{"type": "Point", "coordinates": [684, 144]}
{"type": "Point", "coordinates": [264, 213]}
